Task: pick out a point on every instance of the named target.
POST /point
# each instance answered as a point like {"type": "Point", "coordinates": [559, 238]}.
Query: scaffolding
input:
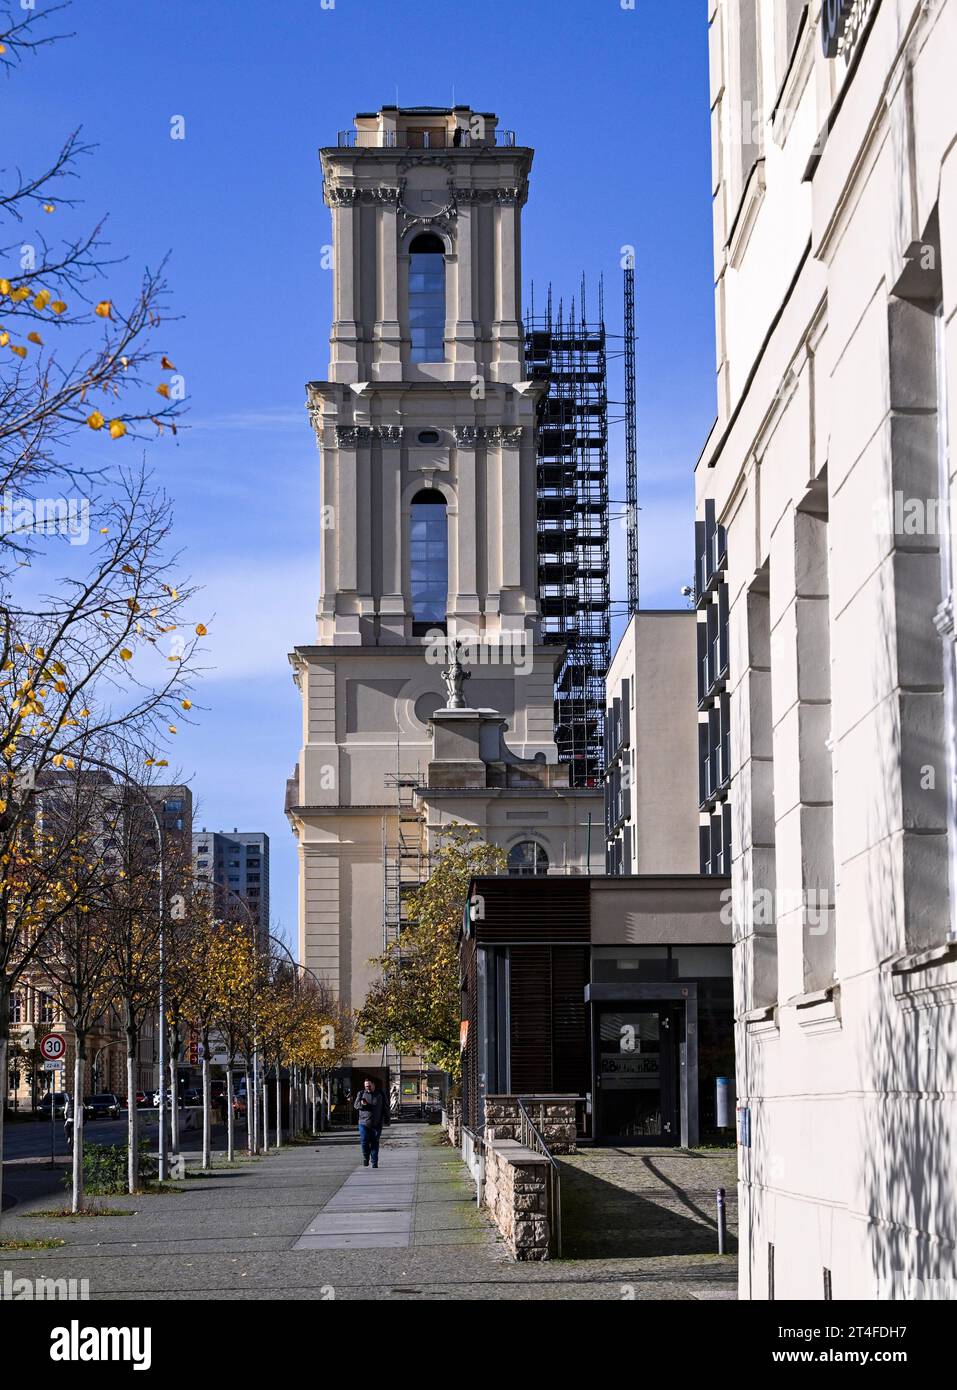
{"type": "Point", "coordinates": [404, 867]}
{"type": "Point", "coordinates": [631, 440]}
{"type": "Point", "coordinates": [568, 351]}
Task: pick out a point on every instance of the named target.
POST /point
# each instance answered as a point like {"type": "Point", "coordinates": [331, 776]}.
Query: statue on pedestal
{"type": "Point", "coordinates": [455, 676]}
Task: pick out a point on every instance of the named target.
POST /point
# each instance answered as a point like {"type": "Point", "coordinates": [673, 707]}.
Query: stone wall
{"type": "Point", "coordinates": [553, 1117]}
{"type": "Point", "coordinates": [516, 1195]}
{"type": "Point", "coordinates": [453, 1122]}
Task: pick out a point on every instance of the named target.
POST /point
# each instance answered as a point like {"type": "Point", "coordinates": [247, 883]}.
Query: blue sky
{"type": "Point", "coordinates": [615, 103]}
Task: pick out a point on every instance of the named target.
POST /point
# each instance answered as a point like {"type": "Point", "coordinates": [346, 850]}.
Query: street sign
{"type": "Point", "coordinates": [52, 1066]}
{"type": "Point", "coordinates": [53, 1047]}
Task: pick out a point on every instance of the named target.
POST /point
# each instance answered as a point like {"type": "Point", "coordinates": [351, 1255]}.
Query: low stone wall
{"type": "Point", "coordinates": [553, 1117]}
{"type": "Point", "coordinates": [516, 1195]}
{"type": "Point", "coordinates": [453, 1125]}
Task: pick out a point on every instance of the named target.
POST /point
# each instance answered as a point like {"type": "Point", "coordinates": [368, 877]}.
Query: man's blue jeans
{"type": "Point", "coordinates": [369, 1143]}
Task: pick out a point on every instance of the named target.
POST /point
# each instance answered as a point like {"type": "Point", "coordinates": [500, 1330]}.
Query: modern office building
{"type": "Point", "coordinates": [824, 498]}
{"type": "Point", "coordinates": [426, 425]}
{"type": "Point", "coordinates": [238, 862]}
{"type": "Point", "coordinates": [616, 991]}
{"type": "Point", "coordinates": [651, 747]}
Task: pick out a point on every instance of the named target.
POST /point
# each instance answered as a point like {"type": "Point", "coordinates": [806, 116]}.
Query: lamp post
{"type": "Point", "coordinates": [163, 1157]}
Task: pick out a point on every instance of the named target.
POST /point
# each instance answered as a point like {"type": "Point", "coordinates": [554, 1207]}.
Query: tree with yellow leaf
{"type": "Point", "coordinates": [414, 1006]}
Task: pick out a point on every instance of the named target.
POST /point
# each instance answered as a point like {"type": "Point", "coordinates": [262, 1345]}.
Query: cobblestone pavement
{"type": "Point", "coordinates": [239, 1233]}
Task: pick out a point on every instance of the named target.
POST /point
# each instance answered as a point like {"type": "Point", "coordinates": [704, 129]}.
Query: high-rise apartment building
{"type": "Point", "coordinates": [238, 862]}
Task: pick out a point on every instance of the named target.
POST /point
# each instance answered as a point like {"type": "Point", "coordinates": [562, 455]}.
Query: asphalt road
{"type": "Point", "coordinates": [31, 1138]}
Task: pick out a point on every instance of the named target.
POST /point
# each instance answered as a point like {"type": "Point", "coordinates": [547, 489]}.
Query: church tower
{"type": "Point", "coordinates": [426, 430]}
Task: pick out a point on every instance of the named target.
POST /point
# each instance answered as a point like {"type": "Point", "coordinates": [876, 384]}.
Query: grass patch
{"type": "Point", "coordinates": [50, 1244]}
{"type": "Point", "coordinates": [160, 1189]}
{"type": "Point", "coordinates": [65, 1214]}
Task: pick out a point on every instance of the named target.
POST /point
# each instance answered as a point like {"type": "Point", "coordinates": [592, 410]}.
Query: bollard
{"type": "Point", "coordinates": [722, 1223]}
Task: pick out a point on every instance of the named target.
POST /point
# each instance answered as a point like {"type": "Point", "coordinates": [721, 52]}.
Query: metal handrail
{"type": "Point", "coordinates": [531, 1139]}
{"type": "Point", "coordinates": [473, 1156]}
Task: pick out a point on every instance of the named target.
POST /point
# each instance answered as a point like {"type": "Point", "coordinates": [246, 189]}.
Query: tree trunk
{"type": "Point", "coordinates": [278, 1106]}
{"type": "Point", "coordinates": [132, 1121]}
{"type": "Point", "coordinates": [4, 1073]}
{"type": "Point", "coordinates": [250, 1111]}
{"type": "Point", "coordinates": [230, 1118]}
{"type": "Point", "coordinates": [264, 1101]}
{"type": "Point", "coordinates": [207, 1106]}
{"type": "Point", "coordinates": [79, 1070]}
{"type": "Point", "coordinates": [174, 1091]}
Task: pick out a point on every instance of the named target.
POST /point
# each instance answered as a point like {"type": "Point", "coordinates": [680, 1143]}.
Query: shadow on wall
{"type": "Point", "coordinates": [905, 1150]}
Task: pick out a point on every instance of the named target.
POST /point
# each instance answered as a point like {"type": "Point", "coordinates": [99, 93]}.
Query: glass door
{"type": "Point", "coordinates": [635, 1074]}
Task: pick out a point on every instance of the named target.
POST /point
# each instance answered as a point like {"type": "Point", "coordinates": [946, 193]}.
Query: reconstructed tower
{"type": "Point", "coordinates": [427, 431]}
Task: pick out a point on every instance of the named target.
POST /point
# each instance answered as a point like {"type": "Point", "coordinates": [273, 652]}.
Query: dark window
{"type": "Point", "coordinates": [428, 437]}
{"type": "Point", "coordinates": [429, 557]}
{"type": "Point", "coordinates": [527, 857]}
{"type": "Point", "coordinates": [427, 298]}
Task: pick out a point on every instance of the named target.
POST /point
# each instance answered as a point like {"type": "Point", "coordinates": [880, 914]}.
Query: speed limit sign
{"type": "Point", "coordinates": [53, 1047]}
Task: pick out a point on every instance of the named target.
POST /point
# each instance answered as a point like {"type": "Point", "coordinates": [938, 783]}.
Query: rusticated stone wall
{"type": "Point", "coordinates": [516, 1195]}
{"type": "Point", "coordinates": [553, 1117]}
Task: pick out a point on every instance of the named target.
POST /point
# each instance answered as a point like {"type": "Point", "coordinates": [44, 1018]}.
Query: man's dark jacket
{"type": "Point", "coordinates": [371, 1107]}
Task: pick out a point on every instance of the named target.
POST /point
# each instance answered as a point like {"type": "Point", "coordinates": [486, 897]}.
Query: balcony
{"type": "Point", "coordinates": [435, 139]}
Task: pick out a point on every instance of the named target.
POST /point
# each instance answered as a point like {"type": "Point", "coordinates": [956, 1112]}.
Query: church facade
{"type": "Point", "coordinates": [427, 694]}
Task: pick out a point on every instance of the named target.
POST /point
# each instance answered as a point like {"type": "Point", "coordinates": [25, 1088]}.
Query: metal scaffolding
{"type": "Point", "coordinates": [631, 440]}
{"type": "Point", "coordinates": [569, 353]}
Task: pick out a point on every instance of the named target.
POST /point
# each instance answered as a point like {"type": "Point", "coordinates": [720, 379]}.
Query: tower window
{"type": "Point", "coordinates": [427, 437]}
{"type": "Point", "coordinates": [527, 857]}
{"type": "Point", "coordinates": [429, 558]}
{"type": "Point", "coordinates": [427, 298]}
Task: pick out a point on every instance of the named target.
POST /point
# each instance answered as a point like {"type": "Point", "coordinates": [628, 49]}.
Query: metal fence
{"type": "Point", "coordinates": [473, 1156]}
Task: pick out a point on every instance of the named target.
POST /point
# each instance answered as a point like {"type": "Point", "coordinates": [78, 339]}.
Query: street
{"type": "Point", "coordinates": [31, 1138]}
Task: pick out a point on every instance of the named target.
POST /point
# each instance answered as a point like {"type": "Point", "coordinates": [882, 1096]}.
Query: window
{"type": "Point", "coordinates": [527, 857]}
{"type": "Point", "coordinates": [16, 1008]}
{"type": "Point", "coordinates": [427, 437]}
{"type": "Point", "coordinates": [47, 1009]}
{"type": "Point", "coordinates": [427, 298]}
{"type": "Point", "coordinates": [428, 558]}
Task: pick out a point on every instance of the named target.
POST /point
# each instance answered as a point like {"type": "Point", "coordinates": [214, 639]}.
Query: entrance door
{"type": "Point", "coordinates": [635, 1091]}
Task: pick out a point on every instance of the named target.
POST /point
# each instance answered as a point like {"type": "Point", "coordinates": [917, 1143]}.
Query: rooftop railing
{"type": "Point", "coordinates": [437, 139]}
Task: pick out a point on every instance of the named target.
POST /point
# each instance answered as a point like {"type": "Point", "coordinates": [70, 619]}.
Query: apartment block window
{"type": "Point", "coordinates": [46, 1008]}
{"type": "Point", "coordinates": [427, 298]}
{"type": "Point", "coordinates": [17, 1008]}
{"type": "Point", "coordinates": [747, 116]}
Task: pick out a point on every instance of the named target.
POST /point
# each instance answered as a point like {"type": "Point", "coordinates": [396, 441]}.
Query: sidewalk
{"type": "Point", "coordinates": [309, 1223]}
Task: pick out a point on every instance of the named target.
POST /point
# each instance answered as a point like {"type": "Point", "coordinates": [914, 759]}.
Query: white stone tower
{"type": "Point", "coordinates": [426, 427]}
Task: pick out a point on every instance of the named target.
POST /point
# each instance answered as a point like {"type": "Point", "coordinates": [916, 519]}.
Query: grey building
{"type": "Point", "coordinates": [239, 862]}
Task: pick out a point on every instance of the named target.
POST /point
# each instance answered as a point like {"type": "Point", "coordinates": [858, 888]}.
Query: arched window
{"type": "Point", "coordinates": [527, 857]}
{"type": "Point", "coordinates": [427, 298]}
{"type": "Point", "coordinates": [429, 559]}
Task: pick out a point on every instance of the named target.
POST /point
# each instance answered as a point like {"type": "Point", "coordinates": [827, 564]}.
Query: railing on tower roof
{"type": "Point", "coordinates": [439, 138]}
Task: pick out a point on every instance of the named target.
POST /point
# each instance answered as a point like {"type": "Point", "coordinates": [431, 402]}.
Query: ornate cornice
{"type": "Point", "coordinates": [470, 435]}
{"type": "Point", "coordinates": [338, 196]}
{"type": "Point", "coordinates": [351, 435]}
{"type": "Point", "coordinates": [504, 196]}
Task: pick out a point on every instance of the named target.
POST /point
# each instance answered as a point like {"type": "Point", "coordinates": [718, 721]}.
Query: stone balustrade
{"type": "Point", "coordinates": [516, 1194]}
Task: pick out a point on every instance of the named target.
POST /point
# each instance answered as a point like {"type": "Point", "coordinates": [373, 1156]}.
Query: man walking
{"type": "Point", "coordinates": [370, 1103]}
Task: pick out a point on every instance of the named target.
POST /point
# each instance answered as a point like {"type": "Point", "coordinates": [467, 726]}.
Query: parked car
{"type": "Point", "coordinates": [239, 1104]}
{"type": "Point", "coordinates": [104, 1106]}
{"type": "Point", "coordinates": [141, 1100]}
{"type": "Point", "coordinates": [191, 1096]}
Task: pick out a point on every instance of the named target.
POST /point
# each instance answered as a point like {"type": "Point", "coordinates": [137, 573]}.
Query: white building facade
{"type": "Point", "coordinates": [426, 427]}
{"type": "Point", "coordinates": [829, 470]}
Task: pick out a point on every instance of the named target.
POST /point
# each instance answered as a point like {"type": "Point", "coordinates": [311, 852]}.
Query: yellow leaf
{"type": "Point", "coordinates": [57, 759]}
{"type": "Point", "coordinates": [200, 629]}
{"type": "Point", "coordinates": [42, 299]}
{"type": "Point", "coordinates": [104, 530]}
{"type": "Point", "coordinates": [167, 365]}
{"type": "Point", "coordinates": [161, 762]}
{"type": "Point", "coordinates": [34, 337]}
{"type": "Point", "coordinates": [103, 309]}
{"type": "Point", "coordinates": [4, 338]}
{"type": "Point", "coordinates": [173, 729]}
{"type": "Point", "coordinates": [4, 286]}
{"type": "Point", "coordinates": [187, 704]}
{"type": "Point", "coordinates": [163, 390]}
{"type": "Point", "coordinates": [20, 351]}
{"type": "Point", "coordinates": [58, 306]}
{"type": "Point", "coordinates": [84, 714]}
{"type": "Point", "coordinates": [49, 207]}
{"type": "Point", "coordinates": [95, 422]}
{"type": "Point", "coordinates": [117, 429]}
{"type": "Point", "coordinates": [125, 654]}
{"type": "Point", "coordinates": [20, 293]}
